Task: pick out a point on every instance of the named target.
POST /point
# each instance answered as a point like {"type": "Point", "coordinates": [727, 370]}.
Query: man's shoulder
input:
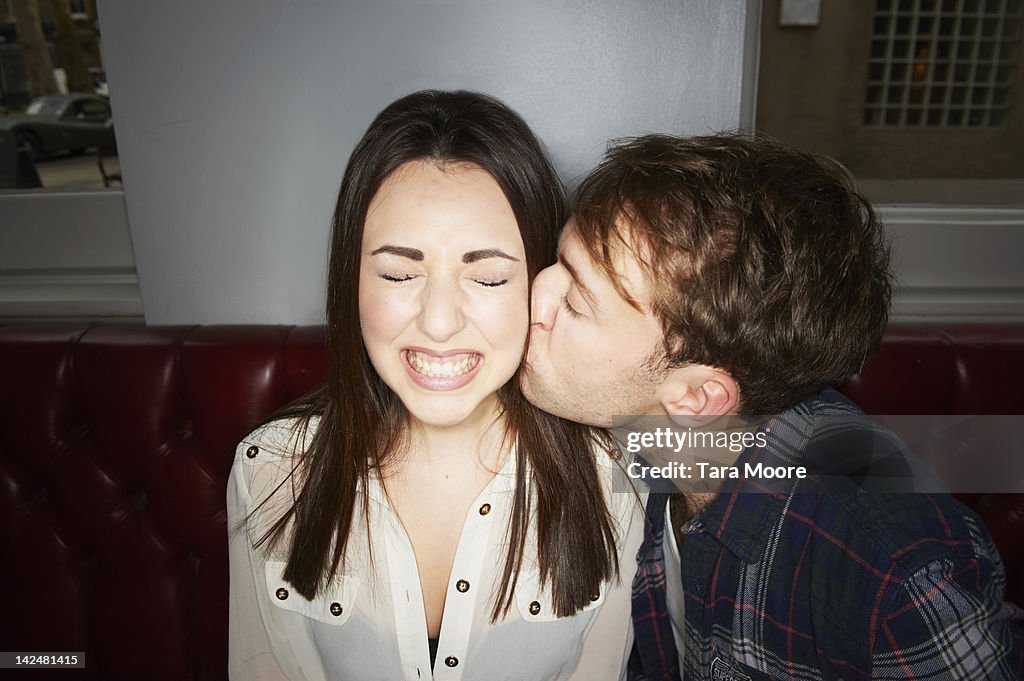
{"type": "Point", "coordinates": [843, 501]}
{"type": "Point", "coordinates": [859, 575]}
{"type": "Point", "coordinates": [864, 482]}
{"type": "Point", "coordinates": [836, 442]}
{"type": "Point", "coordinates": [896, 533]}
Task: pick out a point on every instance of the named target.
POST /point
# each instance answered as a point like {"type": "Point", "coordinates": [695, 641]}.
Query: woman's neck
{"type": "Point", "coordinates": [477, 438]}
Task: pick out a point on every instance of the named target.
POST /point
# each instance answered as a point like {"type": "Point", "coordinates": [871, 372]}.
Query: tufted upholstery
{"type": "Point", "coordinates": [116, 442]}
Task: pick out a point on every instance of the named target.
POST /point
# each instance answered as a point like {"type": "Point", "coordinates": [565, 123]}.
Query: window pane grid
{"type": "Point", "coordinates": [947, 63]}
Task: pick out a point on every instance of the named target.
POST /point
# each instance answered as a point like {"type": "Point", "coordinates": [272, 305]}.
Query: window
{"type": "Point", "coordinates": [948, 63]}
{"type": "Point", "coordinates": [50, 57]}
{"type": "Point", "coordinates": [92, 109]}
{"type": "Point", "coordinates": [922, 99]}
{"type": "Point", "coordinates": [78, 9]}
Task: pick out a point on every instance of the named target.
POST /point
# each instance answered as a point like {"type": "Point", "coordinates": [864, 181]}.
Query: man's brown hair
{"type": "Point", "coordinates": [763, 261]}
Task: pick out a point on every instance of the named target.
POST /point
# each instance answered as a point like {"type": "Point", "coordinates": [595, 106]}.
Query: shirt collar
{"type": "Point", "coordinates": [743, 513]}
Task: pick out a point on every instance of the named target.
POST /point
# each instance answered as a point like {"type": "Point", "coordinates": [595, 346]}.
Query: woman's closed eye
{"type": "Point", "coordinates": [491, 274]}
{"type": "Point", "coordinates": [395, 277]}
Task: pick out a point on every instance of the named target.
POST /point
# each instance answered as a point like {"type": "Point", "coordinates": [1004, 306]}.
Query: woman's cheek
{"type": "Point", "coordinates": [505, 322]}
{"type": "Point", "coordinates": [383, 313]}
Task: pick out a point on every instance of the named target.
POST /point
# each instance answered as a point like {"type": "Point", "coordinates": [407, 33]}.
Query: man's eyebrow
{"type": "Point", "coordinates": [584, 289]}
{"type": "Point", "coordinates": [411, 253]}
{"type": "Point", "coordinates": [474, 256]}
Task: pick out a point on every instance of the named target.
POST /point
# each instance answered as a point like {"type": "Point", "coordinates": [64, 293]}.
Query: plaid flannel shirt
{"type": "Point", "coordinates": [810, 583]}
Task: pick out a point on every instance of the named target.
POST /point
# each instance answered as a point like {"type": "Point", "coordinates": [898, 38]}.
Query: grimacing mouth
{"type": "Point", "coordinates": [448, 366]}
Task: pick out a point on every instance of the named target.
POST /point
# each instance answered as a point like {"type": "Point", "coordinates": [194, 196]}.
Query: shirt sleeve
{"type": "Point", "coordinates": [950, 617]}
{"type": "Point", "coordinates": [609, 641]}
{"type": "Point", "coordinates": [259, 642]}
{"type": "Point", "coordinates": [607, 646]}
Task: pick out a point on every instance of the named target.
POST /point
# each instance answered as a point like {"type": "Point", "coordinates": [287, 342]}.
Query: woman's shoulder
{"type": "Point", "coordinates": [270, 455]}
{"type": "Point", "coordinates": [605, 452]}
{"type": "Point", "coordinates": [623, 496]}
{"type": "Point", "coordinates": [285, 438]}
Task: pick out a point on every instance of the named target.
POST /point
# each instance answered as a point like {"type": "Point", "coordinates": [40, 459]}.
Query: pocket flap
{"type": "Point", "coordinates": [535, 604]}
{"type": "Point", "coordinates": [333, 606]}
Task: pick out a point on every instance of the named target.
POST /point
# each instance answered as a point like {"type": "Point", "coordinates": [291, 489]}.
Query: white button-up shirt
{"type": "Point", "coordinates": [369, 623]}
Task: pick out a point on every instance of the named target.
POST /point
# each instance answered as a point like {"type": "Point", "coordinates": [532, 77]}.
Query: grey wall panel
{"type": "Point", "coordinates": [235, 119]}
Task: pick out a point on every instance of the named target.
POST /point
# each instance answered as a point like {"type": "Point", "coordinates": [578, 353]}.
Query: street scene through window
{"type": "Point", "coordinates": [56, 124]}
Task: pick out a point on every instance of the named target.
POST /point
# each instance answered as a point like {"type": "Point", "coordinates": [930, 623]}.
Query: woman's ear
{"type": "Point", "coordinates": [698, 391]}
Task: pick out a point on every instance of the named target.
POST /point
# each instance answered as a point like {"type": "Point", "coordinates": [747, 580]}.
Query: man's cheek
{"type": "Point", "coordinates": [577, 351]}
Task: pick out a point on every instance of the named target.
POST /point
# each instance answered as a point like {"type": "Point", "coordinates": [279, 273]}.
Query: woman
{"type": "Point", "coordinates": [417, 504]}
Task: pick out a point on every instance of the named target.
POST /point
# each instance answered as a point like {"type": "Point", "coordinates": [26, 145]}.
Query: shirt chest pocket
{"type": "Point", "coordinates": [535, 605]}
{"type": "Point", "coordinates": [333, 606]}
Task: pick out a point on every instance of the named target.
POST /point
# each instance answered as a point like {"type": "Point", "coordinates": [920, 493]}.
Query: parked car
{"type": "Point", "coordinates": [55, 123]}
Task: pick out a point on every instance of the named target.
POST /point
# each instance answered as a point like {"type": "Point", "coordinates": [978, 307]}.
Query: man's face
{"type": "Point", "coordinates": [592, 355]}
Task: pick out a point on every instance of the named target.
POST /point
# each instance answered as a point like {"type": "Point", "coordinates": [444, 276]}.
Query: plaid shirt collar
{"type": "Point", "coordinates": [740, 518]}
{"type": "Point", "coordinates": [742, 514]}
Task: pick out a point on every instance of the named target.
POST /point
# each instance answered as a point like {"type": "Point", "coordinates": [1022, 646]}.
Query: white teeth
{"type": "Point", "coordinates": [435, 368]}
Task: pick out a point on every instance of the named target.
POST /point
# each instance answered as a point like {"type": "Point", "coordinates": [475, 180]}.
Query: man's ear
{"type": "Point", "coordinates": [698, 391]}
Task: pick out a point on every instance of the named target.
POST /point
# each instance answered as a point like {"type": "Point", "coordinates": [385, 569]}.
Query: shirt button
{"type": "Point", "coordinates": [282, 594]}
{"type": "Point", "coordinates": [451, 661]}
{"type": "Point", "coordinates": [596, 596]}
{"type": "Point", "coordinates": [462, 585]}
{"type": "Point", "coordinates": [485, 509]}
{"type": "Point", "coordinates": [534, 608]}
{"type": "Point", "coordinates": [252, 452]}
{"type": "Point", "coordinates": [336, 609]}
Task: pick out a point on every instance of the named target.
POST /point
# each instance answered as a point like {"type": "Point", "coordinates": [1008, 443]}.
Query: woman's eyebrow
{"type": "Point", "coordinates": [410, 253]}
{"type": "Point", "coordinates": [473, 256]}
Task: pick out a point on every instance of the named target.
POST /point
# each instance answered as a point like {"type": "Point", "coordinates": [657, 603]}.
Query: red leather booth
{"type": "Point", "coordinates": [116, 442]}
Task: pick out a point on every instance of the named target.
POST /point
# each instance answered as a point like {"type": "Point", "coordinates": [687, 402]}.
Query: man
{"type": "Point", "coordinates": [715, 276]}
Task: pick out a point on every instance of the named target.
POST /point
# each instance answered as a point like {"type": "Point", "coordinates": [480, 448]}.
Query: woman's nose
{"type": "Point", "coordinates": [441, 316]}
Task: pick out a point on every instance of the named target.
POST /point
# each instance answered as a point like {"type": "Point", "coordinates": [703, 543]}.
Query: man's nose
{"type": "Point", "coordinates": [441, 316]}
{"type": "Point", "coordinates": [545, 298]}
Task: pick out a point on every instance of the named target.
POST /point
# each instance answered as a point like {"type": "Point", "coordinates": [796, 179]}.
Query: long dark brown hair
{"type": "Point", "coordinates": [362, 422]}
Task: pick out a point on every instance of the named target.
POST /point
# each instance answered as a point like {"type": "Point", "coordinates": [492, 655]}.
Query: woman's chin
{"type": "Point", "coordinates": [449, 413]}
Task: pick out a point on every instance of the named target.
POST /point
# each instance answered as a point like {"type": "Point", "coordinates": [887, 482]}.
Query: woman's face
{"type": "Point", "coordinates": [443, 290]}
